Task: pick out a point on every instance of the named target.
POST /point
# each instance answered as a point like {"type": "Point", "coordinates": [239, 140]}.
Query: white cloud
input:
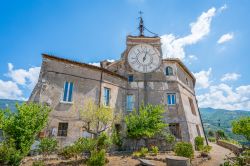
{"type": "Point", "coordinates": [230, 77]}
{"type": "Point", "coordinates": [203, 78]}
{"type": "Point", "coordinates": [98, 63]}
{"type": "Point", "coordinates": [192, 57]}
{"type": "Point", "coordinates": [21, 79]}
{"type": "Point", "coordinates": [225, 97]}
{"type": "Point", "coordinates": [24, 77]}
{"type": "Point", "coordinates": [110, 60]}
{"type": "Point", "coordinates": [225, 38]}
{"type": "Point", "coordinates": [222, 8]}
{"type": "Point", "coordinates": [10, 90]}
{"type": "Point", "coordinates": [173, 47]}
{"type": "Point", "coordinates": [95, 64]}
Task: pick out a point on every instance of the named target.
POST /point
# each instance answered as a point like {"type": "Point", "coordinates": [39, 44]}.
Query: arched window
{"type": "Point", "coordinates": [169, 71]}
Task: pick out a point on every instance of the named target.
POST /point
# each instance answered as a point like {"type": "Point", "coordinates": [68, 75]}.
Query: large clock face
{"type": "Point", "coordinates": [144, 58]}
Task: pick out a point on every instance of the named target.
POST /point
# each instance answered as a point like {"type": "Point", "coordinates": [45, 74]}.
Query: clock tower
{"type": "Point", "coordinates": [143, 57]}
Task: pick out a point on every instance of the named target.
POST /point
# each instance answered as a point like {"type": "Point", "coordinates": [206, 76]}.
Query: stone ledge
{"type": "Point", "coordinates": [234, 148]}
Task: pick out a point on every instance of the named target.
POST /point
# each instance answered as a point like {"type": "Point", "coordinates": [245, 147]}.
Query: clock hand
{"type": "Point", "coordinates": [144, 58]}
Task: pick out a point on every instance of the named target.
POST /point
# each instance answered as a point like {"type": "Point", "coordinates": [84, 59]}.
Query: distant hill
{"type": "Point", "coordinates": [213, 119]}
{"type": "Point", "coordinates": [11, 104]}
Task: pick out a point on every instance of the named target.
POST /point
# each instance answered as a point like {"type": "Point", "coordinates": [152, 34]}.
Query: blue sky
{"type": "Point", "coordinates": [210, 36]}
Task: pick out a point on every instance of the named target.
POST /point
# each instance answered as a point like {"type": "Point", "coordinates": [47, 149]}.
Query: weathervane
{"type": "Point", "coordinates": [141, 25]}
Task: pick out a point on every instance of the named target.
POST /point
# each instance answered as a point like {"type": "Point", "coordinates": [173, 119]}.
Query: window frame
{"type": "Point", "coordinates": [198, 130]}
{"type": "Point", "coordinates": [132, 102]}
{"type": "Point", "coordinates": [191, 104]}
{"type": "Point", "coordinates": [62, 131]}
{"type": "Point", "coordinates": [170, 96]}
{"type": "Point", "coordinates": [105, 103]}
{"type": "Point", "coordinates": [175, 129]}
{"type": "Point", "coordinates": [67, 95]}
{"type": "Point", "coordinates": [129, 78]}
{"type": "Point", "coordinates": [167, 71]}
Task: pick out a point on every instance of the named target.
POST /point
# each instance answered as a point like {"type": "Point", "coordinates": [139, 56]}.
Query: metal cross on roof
{"type": "Point", "coordinates": [141, 25]}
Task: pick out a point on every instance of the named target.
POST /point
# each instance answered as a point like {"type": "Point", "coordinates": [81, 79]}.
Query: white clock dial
{"type": "Point", "coordinates": [144, 58]}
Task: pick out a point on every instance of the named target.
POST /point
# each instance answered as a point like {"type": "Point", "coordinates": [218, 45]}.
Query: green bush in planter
{"type": "Point", "coordinates": [199, 143]}
{"type": "Point", "coordinates": [97, 158]}
{"type": "Point", "coordinates": [155, 150]}
{"type": "Point", "coordinates": [211, 139]}
{"type": "Point", "coordinates": [48, 146]}
{"type": "Point", "coordinates": [206, 149]}
{"type": "Point", "coordinates": [169, 138]}
{"type": "Point", "coordinates": [184, 149]}
{"type": "Point", "coordinates": [144, 151]}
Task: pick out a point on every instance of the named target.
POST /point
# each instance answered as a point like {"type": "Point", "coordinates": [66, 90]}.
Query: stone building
{"type": "Point", "coordinates": [139, 76]}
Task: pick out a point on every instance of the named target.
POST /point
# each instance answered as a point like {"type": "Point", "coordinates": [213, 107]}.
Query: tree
{"type": "Point", "coordinates": [221, 134]}
{"type": "Point", "coordinates": [146, 123]}
{"type": "Point", "coordinates": [210, 133]}
{"type": "Point", "coordinates": [97, 119]}
{"type": "Point", "coordinates": [48, 146]}
{"type": "Point", "coordinates": [1, 118]}
{"type": "Point", "coordinates": [242, 127]}
{"type": "Point", "coordinates": [22, 127]}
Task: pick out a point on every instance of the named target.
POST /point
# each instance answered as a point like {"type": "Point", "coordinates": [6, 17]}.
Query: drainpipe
{"type": "Point", "coordinates": [100, 91]}
{"type": "Point", "coordinates": [202, 124]}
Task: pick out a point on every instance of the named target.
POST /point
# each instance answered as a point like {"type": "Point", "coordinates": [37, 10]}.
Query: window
{"type": "Point", "coordinates": [62, 129]}
{"type": "Point", "coordinates": [169, 71]}
{"type": "Point", "coordinates": [198, 130]}
{"type": "Point", "coordinates": [130, 78]}
{"type": "Point", "coordinates": [191, 103]}
{"type": "Point", "coordinates": [175, 129]}
{"type": "Point", "coordinates": [130, 102]}
{"type": "Point", "coordinates": [106, 96]}
{"type": "Point", "coordinates": [186, 81]}
{"type": "Point", "coordinates": [171, 98]}
{"type": "Point", "coordinates": [68, 90]}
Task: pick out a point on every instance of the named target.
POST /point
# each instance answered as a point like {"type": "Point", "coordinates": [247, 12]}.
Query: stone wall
{"type": "Point", "coordinates": [235, 148]}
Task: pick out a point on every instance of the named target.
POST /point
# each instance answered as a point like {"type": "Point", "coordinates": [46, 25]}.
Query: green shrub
{"type": "Point", "coordinates": [184, 149]}
{"type": "Point", "coordinates": [199, 143]}
{"type": "Point", "coordinates": [169, 138]}
{"type": "Point", "coordinates": [97, 158]}
{"type": "Point", "coordinates": [210, 133]}
{"type": "Point", "coordinates": [206, 149]}
{"type": "Point", "coordinates": [103, 141]}
{"type": "Point", "coordinates": [116, 138]}
{"type": "Point", "coordinates": [80, 146]}
{"type": "Point", "coordinates": [68, 152]}
{"type": "Point", "coordinates": [9, 154]}
{"type": "Point", "coordinates": [85, 145]}
{"type": "Point", "coordinates": [155, 150]}
{"type": "Point", "coordinates": [136, 154]}
{"type": "Point", "coordinates": [47, 146]}
{"type": "Point", "coordinates": [38, 163]}
{"type": "Point", "coordinates": [211, 139]}
{"type": "Point", "coordinates": [21, 127]}
{"type": "Point", "coordinates": [144, 151]}
{"type": "Point", "coordinates": [221, 134]}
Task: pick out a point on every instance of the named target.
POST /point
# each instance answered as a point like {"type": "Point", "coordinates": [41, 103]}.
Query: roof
{"type": "Point", "coordinates": [51, 57]}
{"type": "Point", "coordinates": [182, 65]}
